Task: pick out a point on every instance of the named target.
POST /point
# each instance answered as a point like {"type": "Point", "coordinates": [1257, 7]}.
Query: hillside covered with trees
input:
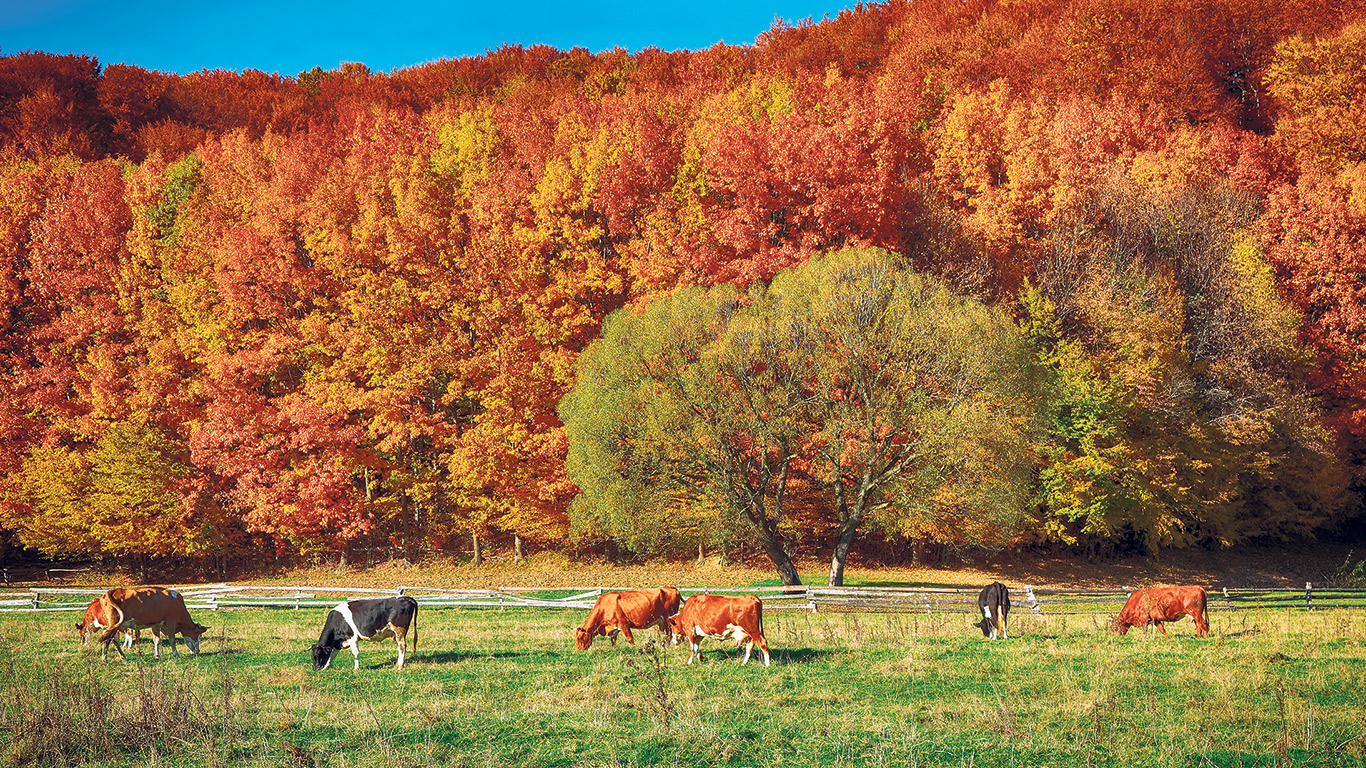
{"type": "Point", "coordinates": [927, 274]}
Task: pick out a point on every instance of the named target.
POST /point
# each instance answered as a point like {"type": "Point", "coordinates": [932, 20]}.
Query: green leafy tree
{"type": "Point", "coordinates": [664, 427]}
{"type": "Point", "coordinates": [897, 399]}
{"type": "Point", "coordinates": [908, 394]}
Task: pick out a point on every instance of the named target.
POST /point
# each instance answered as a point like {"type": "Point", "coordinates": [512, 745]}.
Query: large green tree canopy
{"type": "Point", "coordinates": [871, 389]}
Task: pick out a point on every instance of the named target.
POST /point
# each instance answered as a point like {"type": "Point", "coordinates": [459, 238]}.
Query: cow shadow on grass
{"type": "Point", "coordinates": [454, 657]}
{"type": "Point", "coordinates": [801, 655]}
{"type": "Point", "coordinates": [779, 657]}
{"type": "Point", "coordinates": [224, 650]}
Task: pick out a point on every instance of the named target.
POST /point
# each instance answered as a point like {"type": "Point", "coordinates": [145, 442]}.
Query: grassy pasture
{"type": "Point", "coordinates": [1270, 687]}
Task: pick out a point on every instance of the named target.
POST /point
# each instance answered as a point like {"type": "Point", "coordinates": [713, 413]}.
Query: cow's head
{"type": "Point", "coordinates": [193, 634]}
{"type": "Point", "coordinates": [986, 626]}
{"type": "Point", "coordinates": [1121, 624]}
{"type": "Point", "coordinates": [322, 655]}
{"type": "Point", "coordinates": [583, 639]}
{"type": "Point", "coordinates": [675, 628]}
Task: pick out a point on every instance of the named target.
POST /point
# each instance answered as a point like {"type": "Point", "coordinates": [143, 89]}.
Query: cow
{"type": "Point", "coordinates": [1158, 604]}
{"type": "Point", "coordinates": [157, 608]}
{"type": "Point", "coordinates": [95, 618]}
{"type": "Point", "coordinates": [994, 602]}
{"type": "Point", "coordinates": [621, 612]}
{"type": "Point", "coordinates": [374, 619]}
{"type": "Point", "coordinates": [720, 618]}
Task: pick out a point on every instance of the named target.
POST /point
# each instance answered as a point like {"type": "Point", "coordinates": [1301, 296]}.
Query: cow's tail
{"type": "Point", "coordinates": [114, 614]}
{"type": "Point", "coordinates": [1204, 608]}
{"type": "Point", "coordinates": [414, 626]}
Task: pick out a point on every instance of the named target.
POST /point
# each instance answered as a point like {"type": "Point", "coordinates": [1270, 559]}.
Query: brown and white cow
{"type": "Point", "coordinates": [621, 612]}
{"type": "Point", "coordinates": [720, 618]}
{"type": "Point", "coordinates": [159, 609]}
{"type": "Point", "coordinates": [96, 618]}
{"type": "Point", "coordinates": [1158, 604]}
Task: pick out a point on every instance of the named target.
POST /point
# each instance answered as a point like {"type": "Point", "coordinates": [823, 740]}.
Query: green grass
{"type": "Point", "coordinates": [488, 688]}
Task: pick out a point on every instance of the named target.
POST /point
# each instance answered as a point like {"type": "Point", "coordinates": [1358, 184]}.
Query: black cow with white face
{"type": "Point", "coordinates": [994, 602]}
{"type": "Point", "coordinates": [376, 619]}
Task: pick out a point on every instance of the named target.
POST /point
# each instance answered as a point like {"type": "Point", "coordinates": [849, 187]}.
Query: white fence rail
{"type": "Point", "coordinates": [1039, 601]}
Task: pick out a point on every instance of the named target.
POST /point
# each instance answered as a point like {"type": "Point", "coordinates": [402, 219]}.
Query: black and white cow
{"type": "Point", "coordinates": [995, 605]}
{"type": "Point", "coordinates": [375, 619]}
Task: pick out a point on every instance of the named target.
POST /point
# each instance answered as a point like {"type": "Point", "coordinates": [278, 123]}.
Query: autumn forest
{"type": "Point", "coordinates": [926, 275]}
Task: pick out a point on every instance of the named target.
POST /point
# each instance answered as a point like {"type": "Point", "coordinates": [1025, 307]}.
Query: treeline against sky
{"type": "Point", "coordinates": [250, 314]}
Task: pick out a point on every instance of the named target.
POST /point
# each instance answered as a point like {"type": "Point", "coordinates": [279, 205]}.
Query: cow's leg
{"type": "Point", "coordinates": [613, 636]}
{"type": "Point", "coordinates": [696, 649]}
{"type": "Point", "coordinates": [1161, 628]}
{"type": "Point", "coordinates": [763, 646]}
{"type": "Point", "coordinates": [354, 644]}
{"type": "Point", "coordinates": [1000, 623]}
{"type": "Point", "coordinates": [1201, 628]}
{"type": "Point", "coordinates": [626, 633]}
{"type": "Point", "coordinates": [749, 648]}
{"type": "Point", "coordinates": [107, 638]}
{"type": "Point", "coordinates": [401, 638]}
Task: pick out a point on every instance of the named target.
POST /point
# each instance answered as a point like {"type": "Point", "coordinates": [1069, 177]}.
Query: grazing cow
{"type": "Point", "coordinates": [95, 618]}
{"type": "Point", "coordinates": [1158, 604]}
{"type": "Point", "coordinates": [621, 612]}
{"type": "Point", "coordinates": [375, 619]}
{"type": "Point", "coordinates": [994, 602]}
{"type": "Point", "coordinates": [720, 618]}
{"type": "Point", "coordinates": [157, 608]}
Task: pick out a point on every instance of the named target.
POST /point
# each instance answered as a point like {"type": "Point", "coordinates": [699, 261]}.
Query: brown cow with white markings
{"type": "Point", "coordinates": [621, 612]}
{"type": "Point", "coordinates": [159, 609]}
{"type": "Point", "coordinates": [96, 618]}
{"type": "Point", "coordinates": [720, 618]}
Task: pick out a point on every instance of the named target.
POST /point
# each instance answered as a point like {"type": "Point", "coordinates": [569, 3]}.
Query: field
{"type": "Point", "coordinates": [1270, 687]}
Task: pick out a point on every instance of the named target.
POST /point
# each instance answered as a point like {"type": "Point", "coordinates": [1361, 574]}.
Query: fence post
{"type": "Point", "coordinates": [1308, 596]}
{"type": "Point", "coordinates": [1033, 601]}
{"type": "Point", "coordinates": [1228, 600]}
{"type": "Point", "coordinates": [35, 600]}
{"type": "Point", "coordinates": [296, 598]}
{"type": "Point", "coordinates": [500, 598]}
{"type": "Point", "coordinates": [811, 598]}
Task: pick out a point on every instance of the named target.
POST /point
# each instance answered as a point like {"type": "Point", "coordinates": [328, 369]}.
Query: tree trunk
{"type": "Point", "coordinates": [478, 555]}
{"type": "Point", "coordinates": [767, 531]}
{"type": "Point", "coordinates": [701, 555]}
{"type": "Point", "coordinates": [517, 553]}
{"type": "Point", "coordinates": [341, 559]}
{"type": "Point", "coordinates": [404, 505]}
{"type": "Point", "coordinates": [841, 554]}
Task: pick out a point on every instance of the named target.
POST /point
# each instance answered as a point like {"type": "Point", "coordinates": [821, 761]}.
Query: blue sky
{"type": "Point", "coordinates": [289, 38]}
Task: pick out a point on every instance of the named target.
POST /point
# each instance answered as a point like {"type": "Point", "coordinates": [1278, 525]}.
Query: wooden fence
{"type": "Point", "coordinates": [1038, 601]}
